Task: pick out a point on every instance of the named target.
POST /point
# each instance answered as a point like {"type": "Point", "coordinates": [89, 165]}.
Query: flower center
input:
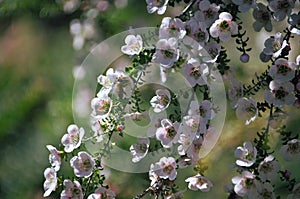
{"type": "Point", "coordinates": [195, 72]}
{"type": "Point", "coordinates": [283, 69]}
{"type": "Point", "coordinates": [224, 25]}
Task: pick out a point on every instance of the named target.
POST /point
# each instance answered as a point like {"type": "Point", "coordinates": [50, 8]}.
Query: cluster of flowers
{"type": "Point", "coordinates": [204, 25]}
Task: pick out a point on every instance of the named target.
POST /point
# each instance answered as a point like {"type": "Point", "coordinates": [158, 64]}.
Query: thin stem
{"type": "Point", "coordinates": [187, 8]}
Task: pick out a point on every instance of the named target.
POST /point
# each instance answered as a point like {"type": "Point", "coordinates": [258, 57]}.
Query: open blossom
{"type": "Point", "coordinates": [213, 49]}
{"type": "Point", "coordinates": [102, 193]}
{"type": "Point", "coordinates": [195, 73]}
{"type": "Point", "coordinates": [245, 5]}
{"type": "Point", "coordinates": [50, 182]}
{"type": "Point", "coordinates": [83, 164]}
{"type": "Point", "coordinates": [224, 27]}
{"type": "Point", "coordinates": [266, 191]}
{"type": "Point", "coordinates": [246, 109]}
{"type": "Point", "coordinates": [155, 123]}
{"type": "Point", "coordinates": [263, 18]}
{"type": "Point", "coordinates": [268, 168]}
{"type": "Point", "coordinates": [54, 157]}
{"type": "Point", "coordinates": [282, 70]}
{"type": "Point", "coordinates": [197, 34]}
{"type": "Point", "coordinates": [273, 47]}
{"type": "Point", "coordinates": [166, 52]}
{"type": "Point", "coordinates": [161, 101]}
{"type": "Point", "coordinates": [194, 149]}
{"type": "Point", "coordinates": [280, 93]}
{"type": "Point", "coordinates": [208, 13]}
{"type": "Point", "coordinates": [205, 110]}
{"type": "Point", "coordinates": [290, 150]}
{"type": "Point", "coordinates": [246, 185]}
{"type": "Point", "coordinates": [72, 190]}
{"type": "Point", "coordinates": [294, 20]}
{"type": "Point", "coordinates": [101, 105]}
{"type": "Point", "coordinates": [165, 168]}
{"type": "Point", "coordinates": [168, 133]}
{"type": "Point", "coordinates": [171, 27]}
{"type": "Point", "coordinates": [281, 8]}
{"type": "Point", "coordinates": [246, 155]}
{"type": "Point", "coordinates": [134, 45]}
{"type": "Point", "coordinates": [139, 150]}
{"type": "Point", "coordinates": [157, 5]}
{"type": "Point", "coordinates": [199, 182]}
{"type": "Point", "coordinates": [72, 140]}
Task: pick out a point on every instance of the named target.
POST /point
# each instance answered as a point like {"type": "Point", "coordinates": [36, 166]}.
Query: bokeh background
{"type": "Point", "coordinates": [36, 83]}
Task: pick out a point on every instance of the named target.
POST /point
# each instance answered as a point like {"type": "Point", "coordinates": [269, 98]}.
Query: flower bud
{"type": "Point", "coordinates": [244, 58]}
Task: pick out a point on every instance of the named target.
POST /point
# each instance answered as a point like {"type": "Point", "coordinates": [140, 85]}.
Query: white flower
{"type": "Point", "coordinates": [224, 27]}
{"type": "Point", "coordinates": [102, 193]}
{"type": "Point", "coordinates": [245, 184]}
{"type": "Point", "coordinates": [166, 52]}
{"type": "Point", "coordinates": [101, 105]}
{"type": "Point", "coordinates": [139, 150]}
{"type": "Point", "coordinates": [54, 157]}
{"type": "Point", "coordinates": [208, 13]}
{"type": "Point", "coordinates": [161, 101]}
{"type": "Point", "coordinates": [295, 192]}
{"type": "Point", "coordinates": [294, 20]}
{"type": "Point", "coordinates": [72, 140]}
{"type": "Point", "coordinates": [197, 34]}
{"type": "Point", "coordinates": [263, 18]}
{"type": "Point", "coordinates": [134, 45]}
{"type": "Point", "coordinates": [245, 5]}
{"type": "Point", "coordinates": [282, 70]}
{"type": "Point", "coordinates": [213, 49]}
{"type": "Point", "coordinates": [204, 110]}
{"type": "Point", "coordinates": [246, 109]}
{"type": "Point", "coordinates": [155, 123]}
{"type": "Point", "coordinates": [83, 164]}
{"type": "Point", "coordinates": [268, 168]}
{"type": "Point", "coordinates": [246, 155]}
{"type": "Point", "coordinates": [157, 5]}
{"type": "Point", "coordinates": [167, 134]}
{"type": "Point", "coordinates": [171, 28]}
{"type": "Point", "coordinates": [290, 150]}
{"type": "Point", "coordinates": [274, 46]}
{"type": "Point", "coordinates": [199, 182]}
{"type": "Point", "coordinates": [195, 72]}
{"type": "Point", "coordinates": [194, 149]}
{"type": "Point", "coordinates": [153, 176]}
{"type": "Point", "coordinates": [96, 127]}
{"type": "Point", "coordinates": [72, 190]}
{"type": "Point", "coordinates": [50, 182]}
{"type": "Point", "coordinates": [165, 168]}
{"type": "Point", "coordinates": [280, 93]}
{"type": "Point", "coordinates": [281, 8]}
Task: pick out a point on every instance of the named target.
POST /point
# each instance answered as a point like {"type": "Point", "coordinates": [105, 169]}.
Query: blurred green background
{"type": "Point", "coordinates": [36, 82]}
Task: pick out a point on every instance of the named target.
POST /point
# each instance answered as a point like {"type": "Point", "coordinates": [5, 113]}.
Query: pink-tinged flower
{"type": "Point", "coordinates": [101, 105]}
{"type": "Point", "coordinates": [166, 52]}
{"type": "Point", "coordinates": [102, 193]}
{"type": "Point", "coordinates": [157, 5]}
{"type": "Point", "coordinates": [192, 124]}
{"type": "Point", "coordinates": [195, 73]}
{"type": "Point", "coordinates": [246, 185]}
{"type": "Point", "coordinates": [155, 123]}
{"type": "Point", "coordinates": [282, 70]}
{"type": "Point", "coordinates": [205, 110]}
{"type": "Point", "coordinates": [295, 192]}
{"type": "Point", "coordinates": [54, 157]}
{"type": "Point", "coordinates": [167, 134]}
{"type": "Point", "coordinates": [161, 101]}
{"type": "Point", "coordinates": [194, 149]}
{"type": "Point", "coordinates": [213, 49]}
{"type": "Point", "coordinates": [266, 191]}
{"type": "Point", "coordinates": [263, 18]}
{"type": "Point", "coordinates": [153, 176]}
{"type": "Point", "coordinates": [274, 46]}
{"type": "Point", "coordinates": [72, 190]}
{"type": "Point", "coordinates": [246, 110]}
{"type": "Point", "coordinates": [171, 28]}
{"type": "Point", "coordinates": [139, 150]}
{"type": "Point", "coordinates": [199, 182]}
{"type": "Point", "coordinates": [208, 13]}
{"type": "Point", "coordinates": [72, 140]}
{"type": "Point", "coordinates": [50, 182]}
{"type": "Point", "coordinates": [197, 34]}
{"type": "Point", "coordinates": [245, 5]}
{"type": "Point", "coordinates": [134, 45]}
{"type": "Point", "coordinates": [224, 27]}
{"type": "Point", "coordinates": [165, 168]}
{"type": "Point", "coordinates": [290, 150]}
{"type": "Point", "coordinates": [280, 93]}
{"type": "Point", "coordinates": [246, 155]}
{"type": "Point", "coordinates": [83, 164]}
{"type": "Point", "coordinates": [281, 8]}
{"type": "Point", "coordinates": [185, 140]}
{"type": "Point", "coordinates": [268, 168]}
{"type": "Point", "coordinates": [96, 127]}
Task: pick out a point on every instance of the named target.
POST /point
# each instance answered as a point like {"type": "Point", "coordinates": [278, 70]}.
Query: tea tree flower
{"type": "Point", "coordinates": [282, 70]}
{"type": "Point", "coordinates": [290, 150]}
{"type": "Point", "coordinates": [54, 157]}
{"type": "Point", "coordinates": [50, 182]}
{"type": "Point", "coordinates": [280, 93]}
{"type": "Point", "coordinates": [199, 182]}
{"type": "Point", "coordinates": [195, 72]}
{"type": "Point", "coordinates": [213, 49]}
{"type": "Point", "coordinates": [139, 150]}
{"type": "Point", "coordinates": [204, 109]}
{"type": "Point", "coordinates": [244, 5]}
{"type": "Point", "coordinates": [161, 101]}
{"type": "Point", "coordinates": [294, 20]}
{"type": "Point", "coordinates": [281, 8]}
{"type": "Point", "coordinates": [167, 134]}
{"type": "Point", "coordinates": [263, 18]}
{"type": "Point", "coordinates": [83, 164]}
{"type": "Point", "coordinates": [72, 190]}
{"type": "Point", "coordinates": [274, 46]}
{"type": "Point", "coordinates": [194, 149]}
{"type": "Point", "coordinates": [101, 106]}
{"type": "Point", "coordinates": [72, 140]}
{"type": "Point", "coordinates": [246, 109]}
{"type": "Point", "coordinates": [102, 193]}
{"type": "Point", "coordinates": [208, 13]}
{"type": "Point", "coordinates": [166, 52]}
{"type": "Point", "coordinates": [224, 27]}
{"type": "Point", "coordinates": [171, 28]}
{"type": "Point", "coordinates": [165, 168]}
{"type": "Point", "coordinates": [134, 45]}
{"type": "Point", "coordinates": [157, 5]}
{"type": "Point", "coordinates": [268, 168]}
{"type": "Point", "coordinates": [246, 155]}
{"type": "Point", "coordinates": [245, 185]}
